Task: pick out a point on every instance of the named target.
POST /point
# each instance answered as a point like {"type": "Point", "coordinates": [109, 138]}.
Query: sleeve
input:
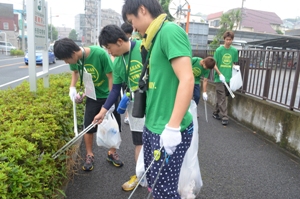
{"type": "Point", "coordinates": [116, 71]}
{"type": "Point", "coordinates": [106, 62]}
{"type": "Point", "coordinates": [205, 73]}
{"type": "Point", "coordinates": [236, 57]}
{"type": "Point", "coordinates": [73, 67]}
{"type": "Point", "coordinates": [173, 37]}
{"type": "Point", "coordinates": [113, 96]}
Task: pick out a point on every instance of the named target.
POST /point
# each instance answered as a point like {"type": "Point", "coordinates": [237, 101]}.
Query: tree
{"type": "Point", "coordinates": [229, 21]}
{"type": "Point", "coordinates": [165, 5]}
{"type": "Point", "coordinates": [54, 32]}
{"type": "Point", "coordinates": [73, 34]}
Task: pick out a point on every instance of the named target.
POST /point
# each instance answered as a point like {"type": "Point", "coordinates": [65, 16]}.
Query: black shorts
{"type": "Point", "coordinates": [92, 108]}
{"type": "Point", "coordinates": [137, 138]}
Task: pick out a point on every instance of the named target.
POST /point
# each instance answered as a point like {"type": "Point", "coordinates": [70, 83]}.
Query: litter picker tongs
{"type": "Point", "coordinates": [73, 141]}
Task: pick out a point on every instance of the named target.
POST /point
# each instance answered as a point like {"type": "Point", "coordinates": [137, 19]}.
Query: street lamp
{"type": "Point", "coordinates": [51, 21]}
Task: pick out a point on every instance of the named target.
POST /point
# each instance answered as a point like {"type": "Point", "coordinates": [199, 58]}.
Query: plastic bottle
{"type": "Point", "coordinates": [123, 103]}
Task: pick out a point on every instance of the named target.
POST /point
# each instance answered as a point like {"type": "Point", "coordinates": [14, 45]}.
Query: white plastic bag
{"type": "Point", "coordinates": [140, 168]}
{"type": "Point", "coordinates": [108, 134]}
{"type": "Point", "coordinates": [236, 80]}
{"type": "Point", "coordinates": [190, 181]}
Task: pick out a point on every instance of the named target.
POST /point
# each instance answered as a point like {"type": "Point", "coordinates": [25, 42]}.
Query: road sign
{"type": "Point", "coordinates": [40, 24]}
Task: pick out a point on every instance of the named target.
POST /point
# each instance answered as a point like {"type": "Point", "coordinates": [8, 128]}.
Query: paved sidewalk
{"type": "Point", "coordinates": [234, 162]}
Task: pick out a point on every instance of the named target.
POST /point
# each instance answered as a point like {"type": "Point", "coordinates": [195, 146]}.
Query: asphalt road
{"type": "Point", "coordinates": [235, 163]}
{"type": "Point", "coordinates": [13, 70]}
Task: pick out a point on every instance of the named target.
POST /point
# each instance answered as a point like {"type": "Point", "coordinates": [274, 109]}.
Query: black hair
{"type": "Point", "coordinates": [110, 35]}
{"type": "Point", "coordinates": [64, 48]}
{"type": "Point", "coordinates": [127, 28]}
{"type": "Point", "coordinates": [132, 6]}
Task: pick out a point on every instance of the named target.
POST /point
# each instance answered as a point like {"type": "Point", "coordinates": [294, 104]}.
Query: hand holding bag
{"type": "Point", "coordinates": [108, 134]}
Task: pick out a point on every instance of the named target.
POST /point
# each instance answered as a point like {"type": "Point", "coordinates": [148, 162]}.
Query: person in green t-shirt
{"type": "Point", "coordinates": [201, 67]}
{"type": "Point", "coordinates": [169, 91]}
{"type": "Point", "coordinates": [128, 29]}
{"type": "Point", "coordinates": [127, 68]}
{"type": "Point", "coordinates": [96, 62]}
{"type": "Point", "coordinates": [225, 57]}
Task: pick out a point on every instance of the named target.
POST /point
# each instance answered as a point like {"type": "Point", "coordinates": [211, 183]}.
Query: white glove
{"type": "Point", "coordinates": [111, 110]}
{"type": "Point", "coordinates": [204, 95]}
{"type": "Point", "coordinates": [222, 78]}
{"type": "Point", "coordinates": [170, 138]}
{"type": "Point", "coordinates": [236, 67]}
{"type": "Point", "coordinates": [72, 93]}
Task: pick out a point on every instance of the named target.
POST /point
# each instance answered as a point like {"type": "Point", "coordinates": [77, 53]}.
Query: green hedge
{"type": "Point", "coordinates": [33, 126]}
{"type": "Point", "coordinates": [16, 52]}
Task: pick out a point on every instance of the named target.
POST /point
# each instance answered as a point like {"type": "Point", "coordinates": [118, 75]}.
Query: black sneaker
{"type": "Point", "coordinates": [224, 121]}
{"type": "Point", "coordinates": [216, 116]}
{"type": "Point", "coordinates": [114, 159]}
{"type": "Point", "coordinates": [89, 163]}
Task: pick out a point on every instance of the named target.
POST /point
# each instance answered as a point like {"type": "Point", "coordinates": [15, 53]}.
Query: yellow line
{"type": "Point", "coordinates": [11, 64]}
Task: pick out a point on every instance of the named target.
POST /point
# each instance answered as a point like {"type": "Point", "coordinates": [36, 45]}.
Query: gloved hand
{"type": "Point", "coordinates": [204, 95]}
{"type": "Point", "coordinates": [111, 110]}
{"type": "Point", "coordinates": [72, 93]}
{"type": "Point", "coordinates": [79, 97]}
{"type": "Point", "coordinates": [170, 138]}
{"type": "Point", "coordinates": [222, 78]}
{"type": "Point", "coordinates": [236, 67]}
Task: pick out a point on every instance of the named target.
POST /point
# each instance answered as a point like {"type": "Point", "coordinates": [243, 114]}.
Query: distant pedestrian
{"type": "Point", "coordinates": [201, 68]}
{"type": "Point", "coordinates": [225, 57]}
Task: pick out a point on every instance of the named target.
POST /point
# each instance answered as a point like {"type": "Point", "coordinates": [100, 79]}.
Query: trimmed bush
{"type": "Point", "coordinates": [33, 126]}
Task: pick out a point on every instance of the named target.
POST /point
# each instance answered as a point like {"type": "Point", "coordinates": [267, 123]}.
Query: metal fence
{"type": "Point", "coordinates": [272, 75]}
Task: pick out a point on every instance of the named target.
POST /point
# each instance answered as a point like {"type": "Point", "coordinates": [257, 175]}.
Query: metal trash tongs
{"type": "Point", "coordinates": [205, 109]}
{"type": "Point", "coordinates": [71, 142]}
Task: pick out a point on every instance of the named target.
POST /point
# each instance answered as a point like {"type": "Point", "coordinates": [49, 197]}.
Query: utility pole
{"type": "Point", "coordinates": [51, 25]}
{"type": "Point", "coordinates": [99, 17]}
{"type": "Point", "coordinates": [23, 26]}
{"type": "Point", "coordinates": [242, 11]}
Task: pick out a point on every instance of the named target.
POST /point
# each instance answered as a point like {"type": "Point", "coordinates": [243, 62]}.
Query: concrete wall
{"type": "Point", "coordinates": [278, 124]}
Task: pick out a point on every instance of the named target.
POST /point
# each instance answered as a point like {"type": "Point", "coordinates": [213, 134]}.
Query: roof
{"type": "Point", "coordinates": [214, 15]}
{"type": "Point", "coordinates": [283, 41]}
{"type": "Point", "coordinates": [260, 21]}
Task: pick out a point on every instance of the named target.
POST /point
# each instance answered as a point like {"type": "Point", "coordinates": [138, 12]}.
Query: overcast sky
{"type": "Point", "coordinates": [67, 9]}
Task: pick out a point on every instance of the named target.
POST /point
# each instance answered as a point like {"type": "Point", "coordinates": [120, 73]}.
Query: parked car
{"type": "Point", "coordinates": [39, 57]}
{"type": "Point", "coordinates": [7, 45]}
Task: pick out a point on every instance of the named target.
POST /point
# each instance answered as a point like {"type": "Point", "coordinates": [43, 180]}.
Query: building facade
{"type": "Point", "coordinates": [8, 24]}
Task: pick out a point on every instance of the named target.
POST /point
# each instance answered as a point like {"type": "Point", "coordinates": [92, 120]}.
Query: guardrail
{"type": "Point", "coordinates": [272, 75]}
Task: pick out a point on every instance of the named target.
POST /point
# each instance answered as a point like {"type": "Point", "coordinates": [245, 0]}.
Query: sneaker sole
{"type": "Point", "coordinates": [130, 189]}
{"type": "Point", "coordinates": [116, 165]}
{"type": "Point", "coordinates": [87, 169]}
{"type": "Point", "coordinates": [217, 118]}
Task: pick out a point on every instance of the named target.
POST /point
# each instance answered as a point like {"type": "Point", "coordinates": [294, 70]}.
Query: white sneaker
{"type": "Point", "coordinates": [126, 121]}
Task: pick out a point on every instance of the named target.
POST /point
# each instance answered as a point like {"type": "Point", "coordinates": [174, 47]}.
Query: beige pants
{"type": "Point", "coordinates": [221, 101]}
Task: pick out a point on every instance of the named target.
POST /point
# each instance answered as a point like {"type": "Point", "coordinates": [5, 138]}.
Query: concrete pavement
{"type": "Point", "coordinates": [235, 163]}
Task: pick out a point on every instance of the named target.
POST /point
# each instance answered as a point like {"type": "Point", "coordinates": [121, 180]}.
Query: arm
{"type": "Point", "coordinates": [111, 99]}
{"type": "Point", "coordinates": [204, 85]}
{"type": "Point", "coordinates": [183, 70]}
{"type": "Point", "coordinates": [75, 76]}
{"type": "Point", "coordinates": [110, 80]}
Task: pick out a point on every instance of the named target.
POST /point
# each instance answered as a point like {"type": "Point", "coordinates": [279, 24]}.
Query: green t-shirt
{"type": "Point", "coordinates": [120, 70]}
{"type": "Point", "coordinates": [171, 42]}
{"type": "Point", "coordinates": [198, 69]}
{"type": "Point", "coordinates": [225, 57]}
{"type": "Point", "coordinates": [98, 64]}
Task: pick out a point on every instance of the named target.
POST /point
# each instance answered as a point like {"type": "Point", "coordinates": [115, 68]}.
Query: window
{"type": "Point", "coordinates": [5, 26]}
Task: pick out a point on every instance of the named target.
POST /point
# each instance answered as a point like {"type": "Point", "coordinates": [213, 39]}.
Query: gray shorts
{"type": "Point", "coordinates": [137, 137]}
